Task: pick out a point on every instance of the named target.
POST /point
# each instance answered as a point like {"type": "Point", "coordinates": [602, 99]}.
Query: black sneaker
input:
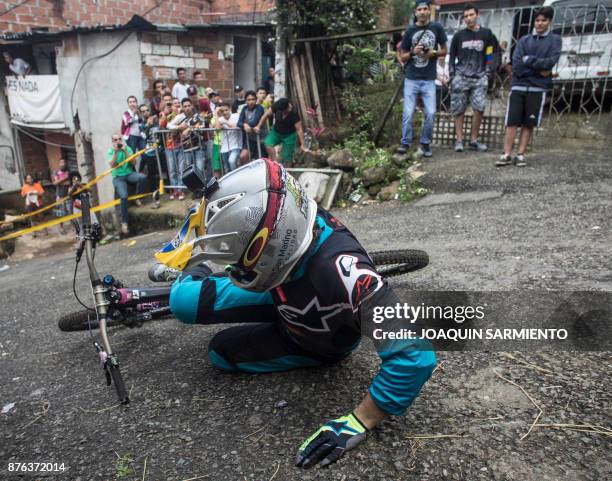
{"type": "Point", "coordinates": [519, 160]}
{"type": "Point", "coordinates": [503, 160]}
{"type": "Point", "coordinates": [402, 149]}
{"type": "Point", "coordinates": [426, 150]}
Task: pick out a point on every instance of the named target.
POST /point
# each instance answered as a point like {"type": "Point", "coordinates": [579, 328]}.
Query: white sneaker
{"type": "Point", "coordinates": [124, 228]}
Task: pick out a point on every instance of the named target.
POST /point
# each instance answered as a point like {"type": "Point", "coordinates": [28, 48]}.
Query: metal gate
{"type": "Point", "coordinates": [582, 81]}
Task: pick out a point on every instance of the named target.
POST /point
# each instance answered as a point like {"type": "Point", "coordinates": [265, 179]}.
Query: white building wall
{"type": "Point", "coordinates": [102, 90]}
{"type": "Point", "coordinates": [9, 169]}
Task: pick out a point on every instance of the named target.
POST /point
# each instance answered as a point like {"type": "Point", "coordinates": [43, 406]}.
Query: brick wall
{"type": "Point", "coordinates": [34, 157]}
{"type": "Point", "coordinates": [54, 152]}
{"type": "Point", "coordinates": [241, 6]}
{"type": "Point", "coordinates": [64, 14]}
{"type": "Point", "coordinates": [163, 53]}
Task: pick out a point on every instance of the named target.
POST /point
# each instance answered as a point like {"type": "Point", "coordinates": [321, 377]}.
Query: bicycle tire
{"type": "Point", "coordinates": [81, 321]}
{"type": "Point", "coordinates": [400, 261]}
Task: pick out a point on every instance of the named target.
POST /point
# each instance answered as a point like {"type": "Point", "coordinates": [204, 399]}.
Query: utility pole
{"type": "Point", "coordinates": [280, 66]}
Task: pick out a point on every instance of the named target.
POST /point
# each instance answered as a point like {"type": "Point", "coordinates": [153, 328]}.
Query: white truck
{"type": "Point", "coordinates": [586, 29]}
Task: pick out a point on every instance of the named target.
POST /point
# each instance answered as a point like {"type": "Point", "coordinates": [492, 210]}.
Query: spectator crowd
{"type": "Point", "coordinates": [475, 61]}
{"type": "Point", "coordinates": [190, 128]}
{"type": "Point", "coordinates": [187, 127]}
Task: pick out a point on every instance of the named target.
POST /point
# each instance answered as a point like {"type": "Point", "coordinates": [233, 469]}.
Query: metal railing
{"type": "Point", "coordinates": [179, 150]}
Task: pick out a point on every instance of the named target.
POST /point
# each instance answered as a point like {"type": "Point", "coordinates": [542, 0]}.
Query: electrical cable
{"type": "Point", "coordinates": [97, 57]}
{"type": "Point", "coordinates": [43, 141]}
{"type": "Point", "coordinates": [13, 7]}
{"type": "Point", "coordinates": [254, 10]}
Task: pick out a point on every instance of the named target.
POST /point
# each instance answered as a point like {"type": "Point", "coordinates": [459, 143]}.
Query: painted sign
{"type": "Point", "coordinates": [34, 101]}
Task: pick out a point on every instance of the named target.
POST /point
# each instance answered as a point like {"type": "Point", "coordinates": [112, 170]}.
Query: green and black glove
{"type": "Point", "coordinates": [330, 441]}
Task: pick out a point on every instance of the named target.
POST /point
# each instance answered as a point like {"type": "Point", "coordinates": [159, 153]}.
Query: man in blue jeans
{"type": "Point", "coordinates": [421, 46]}
{"type": "Point", "coordinates": [124, 175]}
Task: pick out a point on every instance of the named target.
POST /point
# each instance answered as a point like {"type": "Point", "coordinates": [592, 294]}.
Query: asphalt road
{"type": "Point", "coordinates": [547, 226]}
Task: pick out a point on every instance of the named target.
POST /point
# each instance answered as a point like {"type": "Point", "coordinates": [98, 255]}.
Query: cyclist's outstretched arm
{"type": "Point", "coordinates": [406, 366]}
{"type": "Point", "coordinates": [200, 296]}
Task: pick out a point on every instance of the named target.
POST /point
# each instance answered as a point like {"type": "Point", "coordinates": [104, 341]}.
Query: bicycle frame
{"type": "Point", "coordinates": [136, 305]}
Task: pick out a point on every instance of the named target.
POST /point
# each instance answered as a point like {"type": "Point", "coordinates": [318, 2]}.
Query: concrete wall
{"type": "Point", "coordinates": [102, 89]}
{"type": "Point", "coordinates": [9, 175]}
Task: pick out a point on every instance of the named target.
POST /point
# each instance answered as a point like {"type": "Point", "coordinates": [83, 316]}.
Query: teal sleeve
{"type": "Point", "coordinates": [215, 299]}
{"type": "Point", "coordinates": [402, 374]}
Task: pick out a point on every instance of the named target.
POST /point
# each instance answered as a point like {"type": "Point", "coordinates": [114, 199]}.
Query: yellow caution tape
{"type": "Point", "coordinates": [94, 181]}
{"type": "Point", "coordinates": [66, 218]}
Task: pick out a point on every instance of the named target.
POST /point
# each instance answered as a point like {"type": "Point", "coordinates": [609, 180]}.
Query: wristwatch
{"type": "Point", "coordinates": [434, 53]}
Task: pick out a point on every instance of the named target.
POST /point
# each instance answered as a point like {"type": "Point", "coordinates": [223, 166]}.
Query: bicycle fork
{"type": "Point", "coordinates": [108, 360]}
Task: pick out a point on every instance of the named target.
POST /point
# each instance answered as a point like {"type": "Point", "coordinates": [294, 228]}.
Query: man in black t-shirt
{"type": "Point", "coordinates": [470, 68]}
{"type": "Point", "coordinates": [421, 46]}
{"type": "Point", "coordinates": [286, 130]}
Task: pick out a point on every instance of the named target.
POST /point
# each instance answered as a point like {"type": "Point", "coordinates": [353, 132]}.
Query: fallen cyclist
{"type": "Point", "coordinates": [306, 290]}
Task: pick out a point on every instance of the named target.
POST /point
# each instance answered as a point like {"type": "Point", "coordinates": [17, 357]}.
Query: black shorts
{"type": "Point", "coordinates": [525, 109]}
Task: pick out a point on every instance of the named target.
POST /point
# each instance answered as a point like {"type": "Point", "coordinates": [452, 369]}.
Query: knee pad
{"type": "Point", "coordinates": [216, 355]}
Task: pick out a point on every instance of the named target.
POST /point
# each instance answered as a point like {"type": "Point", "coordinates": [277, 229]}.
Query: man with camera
{"type": "Point", "coordinates": [124, 175]}
{"type": "Point", "coordinates": [421, 46]}
{"type": "Point", "coordinates": [188, 123]}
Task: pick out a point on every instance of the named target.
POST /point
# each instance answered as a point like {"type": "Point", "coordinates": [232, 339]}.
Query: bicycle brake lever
{"type": "Point", "coordinates": [107, 374]}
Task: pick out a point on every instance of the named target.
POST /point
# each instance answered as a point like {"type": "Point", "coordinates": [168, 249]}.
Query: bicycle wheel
{"type": "Point", "coordinates": [81, 321]}
{"type": "Point", "coordinates": [398, 262]}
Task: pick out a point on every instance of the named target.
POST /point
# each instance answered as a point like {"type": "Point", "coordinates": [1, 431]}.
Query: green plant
{"type": "Point", "coordinates": [389, 69]}
{"type": "Point", "coordinates": [309, 18]}
{"type": "Point", "coordinates": [359, 60]}
{"type": "Point", "coordinates": [360, 146]}
{"type": "Point", "coordinates": [401, 11]}
{"type": "Point", "coordinates": [124, 468]}
{"type": "Point", "coordinates": [358, 112]}
{"type": "Point", "coordinates": [412, 190]}
{"type": "Point", "coordinates": [377, 157]}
